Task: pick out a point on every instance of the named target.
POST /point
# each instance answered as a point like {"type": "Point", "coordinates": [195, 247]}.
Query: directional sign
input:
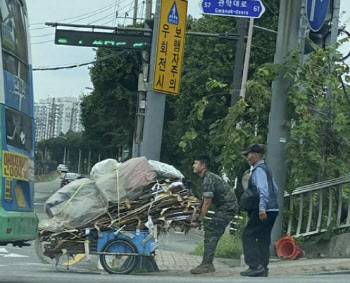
{"type": "Point", "coordinates": [316, 11]}
{"type": "Point", "coordinates": [233, 8]}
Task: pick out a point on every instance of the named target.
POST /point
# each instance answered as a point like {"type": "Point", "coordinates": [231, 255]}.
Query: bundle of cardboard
{"type": "Point", "coordinates": [137, 194]}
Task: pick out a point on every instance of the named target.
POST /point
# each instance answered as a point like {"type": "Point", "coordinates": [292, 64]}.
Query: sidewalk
{"type": "Point", "coordinates": [179, 264]}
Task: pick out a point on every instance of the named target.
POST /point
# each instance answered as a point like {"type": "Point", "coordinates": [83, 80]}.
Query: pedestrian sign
{"type": "Point", "coordinates": [173, 17]}
{"type": "Point", "coordinates": [170, 46]}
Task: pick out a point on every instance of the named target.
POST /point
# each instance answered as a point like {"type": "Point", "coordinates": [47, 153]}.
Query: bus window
{"type": "Point", "coordinates": [14, 35]}
{"type": "Point", "coordinates": [14, 39]}
{"type": "Point", "coordinates": [18, 129]}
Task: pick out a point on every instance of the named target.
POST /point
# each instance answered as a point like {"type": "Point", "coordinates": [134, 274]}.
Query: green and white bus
{"type": "Point", "coordinates": [18, 221]}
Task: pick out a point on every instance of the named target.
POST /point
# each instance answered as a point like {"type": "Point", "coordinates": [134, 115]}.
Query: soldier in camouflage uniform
{"type": "Point", "coordinates": [217, 192]}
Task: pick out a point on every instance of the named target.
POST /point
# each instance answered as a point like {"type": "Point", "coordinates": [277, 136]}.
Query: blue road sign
{"type": "Point", "coordinates": [173, 16]}
{"type": "Point", "coordinates": [233, 8]}
{"type": "Point", "coordinates": [316, 11]}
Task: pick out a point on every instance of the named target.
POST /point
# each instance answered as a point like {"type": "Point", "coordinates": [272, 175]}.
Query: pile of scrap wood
{"type": "Point", "coordinates": [137, 194]}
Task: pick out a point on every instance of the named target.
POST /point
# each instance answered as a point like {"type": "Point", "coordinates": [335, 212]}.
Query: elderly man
{"type": "Point", "coordinates": [217, 192]}
{"type": "Point", "coordinates": [256, 236]}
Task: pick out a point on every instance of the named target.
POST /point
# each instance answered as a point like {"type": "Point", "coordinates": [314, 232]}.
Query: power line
{"type": "Point", "coordinates": [268, 7]}
{"type": "Point", "coordinates": [41, 42]}
{"type": "Point", "coordinates": [102, 18]}
{"type": "Point", "coordinates": [108, 16]}
{"type": "Point", "coordinates": [116, 8]}
{"type": "Point", "coordinates": [126, 13]}
{"type": "Point", "coordinates": [81, 17]}
{"type": "Point", "coordinates": [94, 12]}
{"type": "Point", "coordinates": [78, 64]}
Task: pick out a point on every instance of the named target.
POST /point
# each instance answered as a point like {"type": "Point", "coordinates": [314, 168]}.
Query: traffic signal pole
{"type": "Point", "coordinates": [278, 136]}
{"type": "Point", "coordinates": [151, 143]}
{"type": "Point", "coordinates": [142, 91]}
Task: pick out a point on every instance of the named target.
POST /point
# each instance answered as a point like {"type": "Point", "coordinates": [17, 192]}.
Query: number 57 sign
{"type": "Point", "coordinates": [233, 8]}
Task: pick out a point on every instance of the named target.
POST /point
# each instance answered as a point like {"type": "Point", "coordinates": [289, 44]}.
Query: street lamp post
{"type": "Point", "coordinates": [64, 151]}
{"type": "Point", "coordinates": [64, 154]}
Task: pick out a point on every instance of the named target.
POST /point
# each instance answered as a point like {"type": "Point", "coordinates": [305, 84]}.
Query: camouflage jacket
{"type": "Point", "coordinates": [220, 191]}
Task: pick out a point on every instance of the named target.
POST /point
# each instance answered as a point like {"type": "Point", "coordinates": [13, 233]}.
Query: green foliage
{"type": "Point", "coordinates": [319, 115]}
{"type": "Point", "coordinates": [195, 118]}
{"type": "Point", "coordinates": [108, 114]}
{"type": "Point", "coordinates": [229, 246]}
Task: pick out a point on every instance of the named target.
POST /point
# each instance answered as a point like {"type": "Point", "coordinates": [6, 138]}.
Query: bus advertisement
{"type": "Point", "coordinates": [18, 221]}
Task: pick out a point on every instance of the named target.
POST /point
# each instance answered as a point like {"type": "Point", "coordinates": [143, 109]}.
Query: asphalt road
{"type": "Point", "coordinates": [22, 264]}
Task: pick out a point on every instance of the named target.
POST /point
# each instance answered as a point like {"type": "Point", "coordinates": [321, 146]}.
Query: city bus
{"type": "Point", "coordinates": [18, 221]}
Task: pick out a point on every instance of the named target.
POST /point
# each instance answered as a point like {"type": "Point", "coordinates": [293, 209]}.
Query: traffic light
{"type": "Point", "coordinates": [125, 40]}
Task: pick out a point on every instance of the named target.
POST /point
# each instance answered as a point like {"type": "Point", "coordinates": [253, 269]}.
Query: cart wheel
{"type": "Point", "coordinates": [119, 264]}
{"type": "Point", "coordinates": [38, 245]}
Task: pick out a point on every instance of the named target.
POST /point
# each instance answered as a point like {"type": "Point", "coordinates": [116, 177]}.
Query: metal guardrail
{"type": "Point", "coordinates": [314, 208]}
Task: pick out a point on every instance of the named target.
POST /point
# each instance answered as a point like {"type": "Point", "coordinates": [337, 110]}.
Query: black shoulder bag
{"type": "Point", "coordinates": [250, 200]}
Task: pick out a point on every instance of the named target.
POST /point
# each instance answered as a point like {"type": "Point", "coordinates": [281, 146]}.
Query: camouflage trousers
{"type": "Point", "coordinates": [213, 230]}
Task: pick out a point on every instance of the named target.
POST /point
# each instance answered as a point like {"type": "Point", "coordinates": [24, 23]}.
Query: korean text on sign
{"type": "Point", "coordinates": [170, 48]}
{"type": "Point", "coordinates": [15, 166]}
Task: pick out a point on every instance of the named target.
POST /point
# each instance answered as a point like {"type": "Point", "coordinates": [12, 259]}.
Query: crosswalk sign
{"type": "Point", "coordinates": [173, 17]}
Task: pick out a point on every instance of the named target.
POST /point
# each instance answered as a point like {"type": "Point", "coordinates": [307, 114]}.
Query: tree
{"type": "Point", "coordinates": [207, 76]}
{"type": "Point", "coordinates": [108, 114]}
{"type": "Point", "coordinates": [206, 60]}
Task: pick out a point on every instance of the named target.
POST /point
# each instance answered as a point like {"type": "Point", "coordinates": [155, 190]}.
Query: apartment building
{"type": "Point", "coordinates": [54, 116]}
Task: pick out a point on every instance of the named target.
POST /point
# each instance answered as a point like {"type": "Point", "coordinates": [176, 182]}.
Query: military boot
{"type": "Point", "coordinates": [204, 267]}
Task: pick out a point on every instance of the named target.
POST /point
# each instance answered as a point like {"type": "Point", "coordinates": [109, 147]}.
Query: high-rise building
{"type": "Point", "coordinates": [54, 116]}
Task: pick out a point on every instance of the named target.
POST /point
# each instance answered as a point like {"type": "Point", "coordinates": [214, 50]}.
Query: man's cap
{"type": "Point", "coordinates": [257, 148]}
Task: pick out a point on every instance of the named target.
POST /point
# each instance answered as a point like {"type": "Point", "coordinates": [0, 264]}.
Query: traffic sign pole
{"type": "Point", "coordinates": [247, 57]}
{"type": "Point", "coordinates": [278, 136]}
{"type": "Point", "coordinates": [155, 101]}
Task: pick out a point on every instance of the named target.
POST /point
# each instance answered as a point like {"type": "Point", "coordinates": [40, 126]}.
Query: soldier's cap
{"type": "Point", "coordinates": [255, 147]}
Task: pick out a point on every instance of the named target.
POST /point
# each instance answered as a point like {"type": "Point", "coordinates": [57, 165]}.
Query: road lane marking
{"type": "Point", "coordinates": [3, 250]}
{"type": "Point", "coordinates": [13, 255]}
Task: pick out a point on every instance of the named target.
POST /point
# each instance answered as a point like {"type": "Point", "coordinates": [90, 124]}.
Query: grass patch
{"type": "Point", "coordinates": [342, 267]}
{"type": "Point", "coordinates": [229, 246]}
{"type": "Point", "coordinates": [47, 177]}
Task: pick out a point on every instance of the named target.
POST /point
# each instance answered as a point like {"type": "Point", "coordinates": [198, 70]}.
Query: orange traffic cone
{"type": "Point", "coordinates": [287, 248]}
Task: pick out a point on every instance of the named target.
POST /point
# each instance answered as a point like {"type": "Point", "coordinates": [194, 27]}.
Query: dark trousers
{"type": "Point", "coordinates": [213, 230]}
{"type": "Point", "coordinates": [256, 239]}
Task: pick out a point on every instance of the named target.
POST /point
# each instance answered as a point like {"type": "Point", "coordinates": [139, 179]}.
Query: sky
{"type": "Point", "coordinates": [75, 82]}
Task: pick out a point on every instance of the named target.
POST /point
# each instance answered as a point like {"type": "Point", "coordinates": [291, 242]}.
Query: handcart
{"type": "Point", "coordinates": [118, 251]}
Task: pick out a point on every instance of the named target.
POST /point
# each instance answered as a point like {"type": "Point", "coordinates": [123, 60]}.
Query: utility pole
{"type": "Point", "coordinates": [53, 119]}
{"type": "Point", "coordinates": [142, 89]}
{"type": "Point", "coordinates": [241, 26]}
{"type": "Point", "coordinates": [79, 161]}
{"type": "Point", "coordinates": [278, 136]}
{"type": "Point", "coordinates": [155, 104]}
{"type": "Point", "coordinates": [134, 20]}
{"type": "Point", "coordinates": [335, 21]}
